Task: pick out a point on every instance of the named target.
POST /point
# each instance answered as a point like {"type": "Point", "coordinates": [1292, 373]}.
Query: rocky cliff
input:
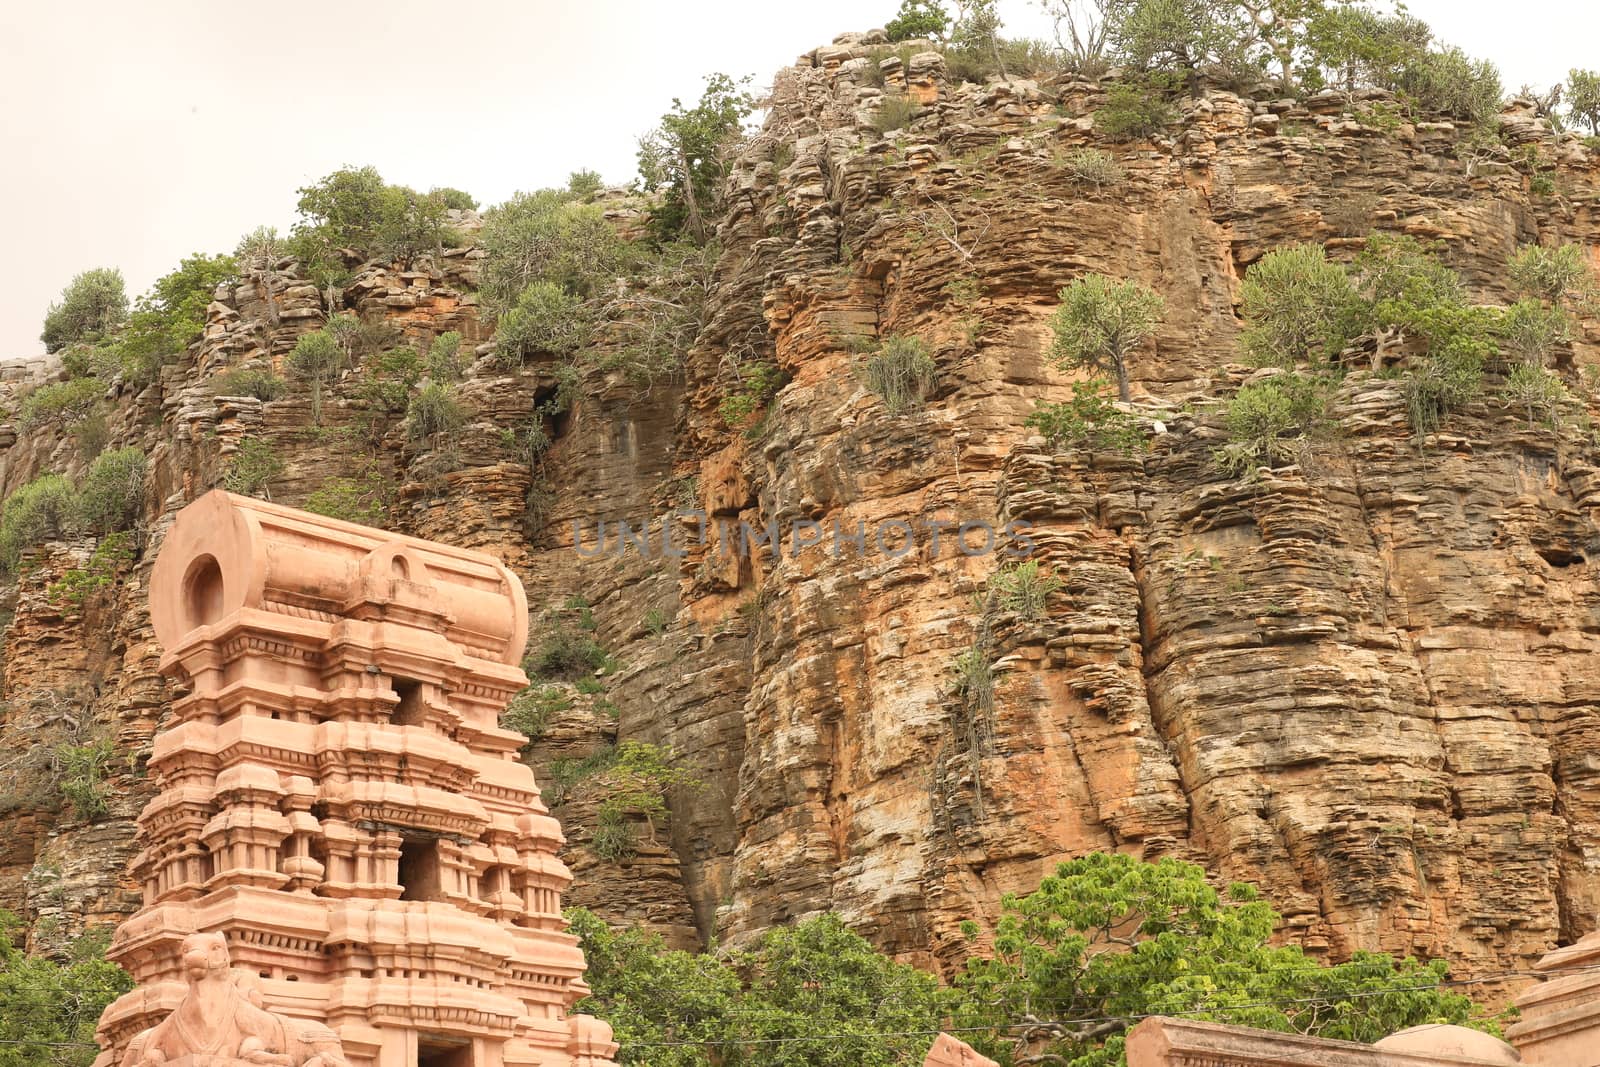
{"type": "Point", "coordinates": [1369, 682]}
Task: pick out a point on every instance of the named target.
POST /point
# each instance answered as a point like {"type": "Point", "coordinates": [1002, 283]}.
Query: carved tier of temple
{"type": "Point", "coordinates": [337, 799]}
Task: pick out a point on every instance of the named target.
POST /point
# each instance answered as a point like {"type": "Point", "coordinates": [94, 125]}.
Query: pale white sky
{"type": "Point", "coordinates": [138, 133]}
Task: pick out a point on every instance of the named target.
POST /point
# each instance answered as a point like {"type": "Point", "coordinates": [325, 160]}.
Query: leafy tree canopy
{"type": "Point", "coordinates": [688, 154]}
{"type": "Point", "coordinates": [48, 1009]}
{"type": "Point", "coordinates": [92, 305]}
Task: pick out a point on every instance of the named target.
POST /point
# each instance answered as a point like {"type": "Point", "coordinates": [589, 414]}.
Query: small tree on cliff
{"type": "Point", "coordinates": [1583, 99]}
{"type": "Point", "coordinates": [688, 156]}
{"type": "Point", "coordinates": [1100, 321]}
{"type": "Point", "coordinates": [92, 305]}
{"type": "Point", "coordinates": [316, 358]}
{"type": "Point", "coordinates": [918, 18]}
{"type": "Point", "coordinates": [1108, 939]}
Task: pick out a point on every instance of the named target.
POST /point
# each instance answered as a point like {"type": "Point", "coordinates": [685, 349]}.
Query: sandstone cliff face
{"type": "Point", "coordinates": [1368, 683]}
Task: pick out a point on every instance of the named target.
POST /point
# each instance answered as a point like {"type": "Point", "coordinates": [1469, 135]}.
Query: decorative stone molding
{"type": "Point", "coordinates": [1168, 1042]}
{"type": "Point", "coordinates": [1560, 1024]}
{"type": "Point", "coordinates": [338, 800]}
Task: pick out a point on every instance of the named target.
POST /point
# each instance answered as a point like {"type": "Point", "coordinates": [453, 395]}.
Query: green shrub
{"type": "Point", "coordinates": [1089, 419]}
{"type": "Point", "coordinates": [1439, 385]}
{"type": "Point", "coordinates": [249, 381]}
{"type": "Point", "coordinates": [614, 839]}
{"type": "Point", "coordinates": [63, 403]}
{"type": "Point", "coordinates": [111, 494]}
{"type": "Point", "coordinates": [568, 653]}
{"type": "Point", "coordinates": [316, 358]}
{"type": "Point", "coordinates": [77, 584]}
{"type": "Point", "coordinates": [901, 372]}
{"type": "Point", "coordinates": [1269, 423]}
{"type": "Point", "coordinates": [255, 466]}
{"type": "Point", "coordinates": [1100, 322]}
{"type": "Point", "coordinates": [584, 184]}
{"type": "Point", "coordinates": [92, 305]}
{"type": "Point", "coordinates": [39, 510]}
{"type": "Point", "coordinates": [1090, 166]}
{"type": "Point", "coordinates": [1024, 588]}
{"type": "Point", "coordinates": [1532, 331]}
{"type": "Point", "coordinates": [1454, 84]}
{"type": "Point", "coordinates": [759, 382]}
{"type": "Point", "coordinates": [544, 319]}
{"type": "Point", "coordinates": [387, 380]}
{"type": "Point", "coordinates": [1297, 307]}
{"type": "Point", "coordinates": [434, 411]}
{"type": "Point", "coordinates": [349, 204]}
{"type": "Point", "coordinates": [80, 772]}
{"type": "Point", "coordinates": [1133, 111]}
{"type": "Point", "coordinates": [894, 112]}
{"type": "Point", "coordinates": [532, 710]}
{"type": "Point", "coordinates": [172, 315]}
{"type": "Point", "coordinates": [1536, 391]}
{"type": "Point", "coordinates": [49, 1008]}
{"type": "Point", "coordinates": [547, 236]}
{"type": "Point", "coordinates": [350, 499]}
{"type": "Point", "coordinates": [918, 19]}
{"type": "Point", "coordinates": [454, 199]}
{"type": "Point", "coordinates": [443, 361]}
{"type": "Point", "coordinates": [1556, 275]}
{"type": "Point", "coordinates": [974, 679]}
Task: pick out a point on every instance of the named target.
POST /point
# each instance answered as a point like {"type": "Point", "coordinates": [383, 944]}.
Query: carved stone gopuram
{"type": "Point", "coordinates": [337, 801]}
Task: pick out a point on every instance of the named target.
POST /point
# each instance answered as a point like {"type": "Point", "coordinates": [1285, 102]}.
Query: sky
{"type": "Point", "coordinates": [134, 134]}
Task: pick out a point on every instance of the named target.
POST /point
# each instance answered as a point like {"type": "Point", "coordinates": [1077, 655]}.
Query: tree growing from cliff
{"type": "Point", "coordinates": [49, 1008]}
{"type": "Point", "coordinates": [1195, 38]}
{"type": "Point", "coordinates": [1100, 322]}
{"type": "Point", "coordinates": [687, 157]}
{"type": "Point", "coordinates": [917, 19]}
{"type": "Point", "coordinates": [1583, 99]}
{"type": "Point", "coordinates": [1298, 307]}
{"type": "Point", "coordinates": [349, 203]}
{"type": "Point", "coordinates": [92, 305]}
{"type": "Point", "coordinates": [316, 358]}
{"type": "Point", "coordinates": [258, 252]}
{"type": "Point", "coordinates": [172, 315]}
{"type": "Point", "coordinates": [1108, 939]}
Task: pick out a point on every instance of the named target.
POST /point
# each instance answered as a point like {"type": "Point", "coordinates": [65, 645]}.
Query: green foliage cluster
{"type": "Point", "coordinates": [360, 500]}
{"type": "Point", "coordinates": [568, 650]}
{"type": "Point", "coordinates": [172, 315]}
{"type": "Point", "coordinates": [317, 357]}
{"type": "Point", "coordinates": [1298, 306]}
{"type": "Point", "coordinates": [92, 305]}
{"type": "Point", "coordinates": [65, 404]}
{"type": "Point", "coordinates": [687, 156]}
{"type": "Point", "coordinates": [354, 208]}
{"type": "Point", "coordinates": [258, 382]}
{"type": "Point", "coordinates": [80, 775]}
{"type": "Point", "coordinates": [918, 19]}
{"type": "Point", "coordinates": [759, 382]}
{"type": "Point", "coordinates": [1106, 939]}
{"type": "Point", "coordinates": [434, 412]}
{"type": "Point", "coordinates": [49, 1008]}
{"type": "Point", "coordinates": [1025, 588]}
{"type": "Point", "coordinates": [1133, 111]}
{"type": "Point", "coordinates": [105, 501]}
{"type": "Point", "coordinates": [254, 467]}
{"type": "Point", "coordinates": [1583, 99]}
{"type": "Point", "coordinates": [814, 993]}
{"type": "Point", "coordinates": [900, 371]}
{"type": "Point", "coordinates": [1090, 419]}
{"type": "Point", "coordinates": [1100, 322]}
{"type": "Point", "coordinates": [894, 112]}
{"type": "Point", "coordinates": [532, 710]}
{"type": "Point", "coordinates": [1399, 299]}
{"type": "Point", "coordinates": [111, 492]}
{"type": "Point", "coordinates": [1091, 166]}
{"type": "Point", "coordinates": [77, 584]}
{"type": "Point", "coordinates": [1537, 391]}
{"type": "Point", "coordinates": [1270, 422]}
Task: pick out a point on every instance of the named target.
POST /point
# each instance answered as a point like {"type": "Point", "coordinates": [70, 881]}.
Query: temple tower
{"type": "Point", "coordinates": [337, 799]}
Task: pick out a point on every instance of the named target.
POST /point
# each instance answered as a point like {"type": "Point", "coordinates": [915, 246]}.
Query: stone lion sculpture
{"type": "Point", "coordinates": [216, 1020]}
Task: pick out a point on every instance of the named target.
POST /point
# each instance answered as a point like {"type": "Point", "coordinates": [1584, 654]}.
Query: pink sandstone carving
{"type": "Point", "coordinates": [949, 1052]}
{"type": "Point", "coordinates": [337, 800]}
